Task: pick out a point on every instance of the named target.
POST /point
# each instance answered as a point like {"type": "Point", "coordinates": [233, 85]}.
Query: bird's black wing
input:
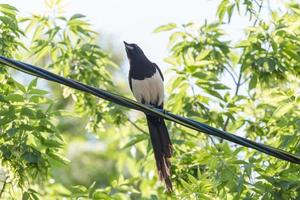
{"type": "Point", "coordinates": [161, 75]}
{"type": "Point", "coordinates": [129, 81]}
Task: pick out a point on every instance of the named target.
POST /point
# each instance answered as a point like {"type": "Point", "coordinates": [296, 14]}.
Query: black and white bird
{"type": "Point", "coordinates": [146, 84]}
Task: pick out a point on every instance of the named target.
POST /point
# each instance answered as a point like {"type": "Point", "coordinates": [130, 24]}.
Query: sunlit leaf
{"type": "Point", "coordinates": [135, 140]}
{"type": "Point", "coordinates": [283, 109]}
{"type": "Point", "coordinates": [166, 27]}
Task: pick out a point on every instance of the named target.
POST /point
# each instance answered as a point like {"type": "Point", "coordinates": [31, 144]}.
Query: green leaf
{"type": "Point", "coordinates": [58, 157]}
{"type": "Point", "coordinates": [203, 54]}
{"type": "Point", "coordinates": [220, 86]}
{"type": "Point", "coordinates": [3, 99]}
{"type": "Point", "coordinates": [11, 132]}
{"type": "Point", "coordinates": [9, 21]}
{"type": "Point", "coordinates": [200, 75]}
{"type": "Point", "coordinates": [77, 16]}
{"type": "Point", "coordinates": [7, 119]}
{"type": "Point", "coordinates": [135, 140]}
{"type": "Point", "coordinates": [204, 62]}
{"type": "Point", "coordinates": [6, 152]}
{"type": "Point", "coordinates": [222, 10]}
{"type": "Point", "coordinates": [8, 9]}
{"type": "Point", "coordinates": [32, 84]}
{"type": "Point", "coordinates": [34, 195]}
{"type": "Point", "coordinates": [38, 91]}
{"type": "Point", "coordinates": [283, 109]}
{"type": "Point", "coordinates": [40, 114]}
{"type": "Point", "coordinates": [174, 37]}
{"type": "Point", "coordinates": [186, 185]}
{"type": "Point", "coordinates": [42, 52]}
{"type": "Point", "coordinates": [166, 27]}
{"type": "Point", "coordinates": [213, 93]}
{"type": "Point", "coordinates": [31, 157]}
{"type": "Point", "coordinates": [253, 82]}
{"type": "Point", "coordinates": [230, 11]}
{"type": "Point", "coordinates": [171, 60]}
{"type": "Point", "coordinates": [98, 194]}
{"type": "Point", "coordinates": [37, 99]}
{"type": "Point", "coordinates": [192, 179]}
{"type": "Point", "coordinates": [37, 33]}
{"type": "Point", "coordinates": [19, 86]}
{"type": "Point", "coordinates": [296, 10]}
{"type": "Point", "coordinates": [78, 189]}
{"type": "Point", "coordinates": [25, 196]}
{"type": "Point", "coordinates": [15, 98]}
{"type": "Point", "coordinates": [243, 43]}
{"type": "Point", "coordinates": [28, 112]}
{"type": "Point", "coordinates": [51, 143]}
{"type": "Point", "coordinates": [177, 82]}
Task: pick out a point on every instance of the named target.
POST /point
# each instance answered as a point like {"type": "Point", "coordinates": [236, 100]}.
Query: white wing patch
{"type": "Point", "coordinates": [151, 90]}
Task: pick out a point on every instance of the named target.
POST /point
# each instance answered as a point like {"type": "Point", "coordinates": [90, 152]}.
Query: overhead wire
{"type": "Point", "coordinates": [129, 103]}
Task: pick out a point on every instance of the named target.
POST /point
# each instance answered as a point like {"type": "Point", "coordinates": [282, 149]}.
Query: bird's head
{"type": "Point", "coordinates": [133, 51]}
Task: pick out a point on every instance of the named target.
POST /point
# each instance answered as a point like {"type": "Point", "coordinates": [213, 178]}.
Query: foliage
{"type": "Point", "coordinates": [29, 139]}
{"type": "Point", "coordinates": [68, 47]}
{"type": "Point", "coordinates": [248, 87]}
{"type": "Point", "coordinates": [266, 65]}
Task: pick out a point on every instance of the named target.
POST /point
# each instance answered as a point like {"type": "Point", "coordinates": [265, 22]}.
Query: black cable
{"type": "Point", "coordinates": [123, 101]}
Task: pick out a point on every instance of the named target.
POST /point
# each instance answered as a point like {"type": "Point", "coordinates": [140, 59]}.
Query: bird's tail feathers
{"type": "Point", "coordinates": [162, 148]}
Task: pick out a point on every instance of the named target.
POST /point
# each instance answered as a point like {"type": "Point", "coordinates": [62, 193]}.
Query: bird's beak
{"type": "Point", "coordinates": [128, 46]}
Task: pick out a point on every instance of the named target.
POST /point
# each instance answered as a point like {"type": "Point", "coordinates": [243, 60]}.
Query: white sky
{"type": "Point", "coordinates": [135, 20]}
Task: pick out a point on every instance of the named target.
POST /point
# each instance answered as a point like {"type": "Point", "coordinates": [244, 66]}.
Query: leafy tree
{"type": "Point", "coordinates": [43, 124]}
{"type": "Point", "coordinates": [266, 64]}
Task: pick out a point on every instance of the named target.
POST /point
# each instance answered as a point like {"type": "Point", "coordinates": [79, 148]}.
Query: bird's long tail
{"type": "Point", "coordinates": [162, 148]}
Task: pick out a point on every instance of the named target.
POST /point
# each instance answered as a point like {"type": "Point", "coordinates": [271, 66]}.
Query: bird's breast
{"type": "Point", "coordinates": [149, 90]}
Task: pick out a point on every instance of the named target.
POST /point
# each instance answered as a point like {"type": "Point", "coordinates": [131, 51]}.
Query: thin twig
{"type": "Point", "coordinates": [258, 4]}
{"type": "Point", "coordinates": [238, 84]}
{"type": "Point", "coordinates": [137, 127]}
{"type": "Point", "coordinates": [258, 13]}
{"type": "Point", "coordinates": [233, 71]}
{"type": "Point", "coordinates": [231, 74]}
{"type": "Point", "coordinates": [245, 80]}
{"type": "Point", "coordinates": [4, 185]}
{"type": "Point", "coordinates": [213, 142]}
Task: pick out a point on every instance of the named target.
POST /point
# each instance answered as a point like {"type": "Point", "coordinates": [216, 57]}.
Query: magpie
{"type": "Point", "coordinates": [146, 83]}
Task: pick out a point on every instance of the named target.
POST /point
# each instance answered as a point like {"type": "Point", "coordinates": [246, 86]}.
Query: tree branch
{"type": "Point", "coordinates": [4, 185]}
{"type": "Point", "coordinates": [137, 127]}
{"type": "Point", "coordinates": [231, 74]}
{"type": "Point", "coordinates": [239, 83]}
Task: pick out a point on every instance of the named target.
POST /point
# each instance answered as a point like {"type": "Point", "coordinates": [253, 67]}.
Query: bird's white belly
{"type": "Point", "coordinates": [150, 90]}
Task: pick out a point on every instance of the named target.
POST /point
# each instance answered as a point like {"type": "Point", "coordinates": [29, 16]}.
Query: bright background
{"type": "Point", "coordinates": [132, 21]}
{"type": "Point", "coordinates": [135, 20]}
